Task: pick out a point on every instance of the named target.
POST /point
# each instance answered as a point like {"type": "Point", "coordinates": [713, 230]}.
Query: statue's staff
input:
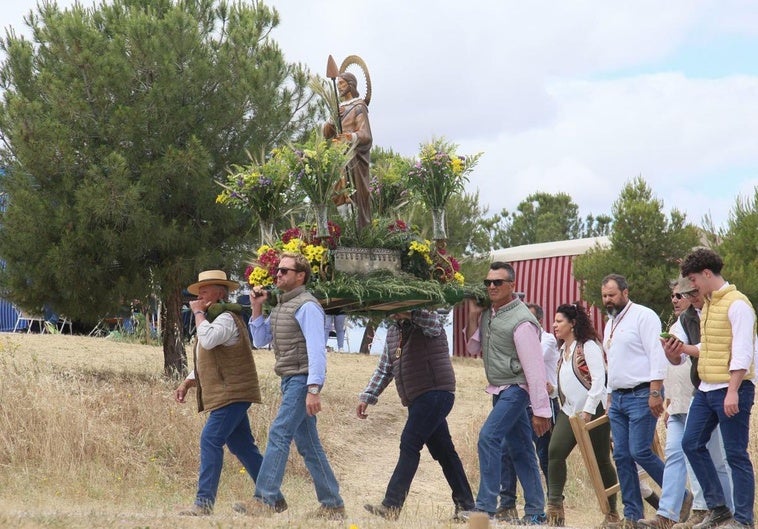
{"type": "Point", "coordinates": [332, 72]}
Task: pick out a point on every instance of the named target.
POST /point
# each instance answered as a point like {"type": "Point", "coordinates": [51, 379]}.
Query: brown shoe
{"type": "Point", "coordinates": [659, 522]}
{"type": "Point", "coordinates": [696, 517]}
{"type": "Point", "coordinates": [611, 520]}
{"type": "Point", "coordinates": [329, 513]}
{"type": "Point", "coordinates": [197, 510]}
{"type": "Point", "coordinates": [625, 523]}
{"type": "Point", "coordinates": [254, 507]}
{"type": "Point", "coordinates": [555, 515]}
{"type": "Point", "coordinates": [388, 513]}
{"type": "Point", "coordinates": [507, 514]}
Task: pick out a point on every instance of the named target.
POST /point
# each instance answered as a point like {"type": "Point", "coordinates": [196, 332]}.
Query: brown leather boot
{"type": "Point", "coordinates": [555, 515]}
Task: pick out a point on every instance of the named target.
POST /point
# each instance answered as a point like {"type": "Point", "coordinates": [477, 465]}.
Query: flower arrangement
{"type": "Point", "coordinates": [317, 167]}
{"type": "Point", "coordinates": [299, 240]}
{"type": "Point", "coordinates": [387, 186]}
{"type": "Point", "coordinates": [263, 188]}
{"type": "Point", "coordinates": [426, 261]}
{"type": "Point", "coordinates": [439, 173]}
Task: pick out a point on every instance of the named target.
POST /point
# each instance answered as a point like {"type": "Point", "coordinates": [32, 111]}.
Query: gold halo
{"type": "Point", "coordinates": [351, 60]}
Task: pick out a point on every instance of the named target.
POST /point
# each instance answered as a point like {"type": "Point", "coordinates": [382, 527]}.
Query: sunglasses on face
{"type": "Point", "coordinates": [677, 296]}
{"type": "Point", "coordinates": [495, 282]}
{"type": "Point", "coordinates": [284, 270]}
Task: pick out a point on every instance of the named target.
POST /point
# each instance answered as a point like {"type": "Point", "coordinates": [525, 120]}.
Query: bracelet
{"type": "Point", "coordinates": [198, 312]}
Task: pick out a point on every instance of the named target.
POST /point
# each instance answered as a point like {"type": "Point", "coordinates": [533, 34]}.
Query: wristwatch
{"type": "Point", "coordinates": [655, 393]}
{"type": "Point", "coordinates": [314, 390]}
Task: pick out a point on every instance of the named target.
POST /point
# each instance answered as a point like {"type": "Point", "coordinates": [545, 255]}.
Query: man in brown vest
{"type": "Point", "coordinates": [226, 381]}
{"type": "Point", "coordinates": [416, 355]}
{"type": "Point", "coordinates": [295, 328]}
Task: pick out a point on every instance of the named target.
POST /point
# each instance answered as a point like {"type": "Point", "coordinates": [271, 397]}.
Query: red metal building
{"type": "Point", "coordinates": [545, 275]}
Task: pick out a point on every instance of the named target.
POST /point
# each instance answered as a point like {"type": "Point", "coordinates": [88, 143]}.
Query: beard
{"type": "Point", "coordinates": [614, 309]}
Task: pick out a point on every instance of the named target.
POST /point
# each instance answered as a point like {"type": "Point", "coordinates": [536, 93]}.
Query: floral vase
{"type": "Point", "coordinates": [438, 224]}
{"type": "Point", "coordinates": [322, 220]}
{"type": "Point", "coordinates": [268, 235]}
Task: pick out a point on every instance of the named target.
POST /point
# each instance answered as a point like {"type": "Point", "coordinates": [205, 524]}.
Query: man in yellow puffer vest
{"type": "Point", "coordinates": [726, 392]}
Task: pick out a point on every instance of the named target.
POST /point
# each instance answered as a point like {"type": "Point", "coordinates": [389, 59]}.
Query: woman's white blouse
{"type": "Point", "coordinates": [578, 398]}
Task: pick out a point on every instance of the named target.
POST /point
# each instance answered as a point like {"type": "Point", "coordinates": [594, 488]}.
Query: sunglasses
{"type": "Point", "coordinates": [284, 270]}
{"type": "Point", "coordinates": [496, 282]}
{"type": "Point", "coordinates": [677, 296]}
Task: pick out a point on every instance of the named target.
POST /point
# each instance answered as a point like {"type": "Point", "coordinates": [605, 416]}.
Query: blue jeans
{"type": "Point", "coordinates": [675, 469]}
{"type": "Point", "coordinates": [706, 412]}
{"type": "Point", "coordinates": [509, 420]}
{"type": "Point", "coordinates": [293, 423]}
{"type": "Point", "coordinates": [633, 428]}
{"type": "Point", "coordinates": [228, 426]}
{"type": "Point", "coordinates": [508, 473]}
{"type": "Point", "coordinates": [427, 424]}
{"type": "Point", "coordinates": [718, 455]}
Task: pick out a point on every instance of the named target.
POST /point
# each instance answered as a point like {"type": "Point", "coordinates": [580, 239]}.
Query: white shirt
{"type": "Point", "coordinates": [633, 346]}
{"type": "Point", "coordinates": [578, 398]}
{"type": "Point", "coordinates": [550, 355]}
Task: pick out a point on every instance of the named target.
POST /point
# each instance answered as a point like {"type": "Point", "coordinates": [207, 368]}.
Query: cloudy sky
{"type": "Point", "coordinates": [578, 97]}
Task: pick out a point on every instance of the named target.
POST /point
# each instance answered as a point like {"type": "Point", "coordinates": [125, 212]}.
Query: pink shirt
{"type": "Point", "coordinates": [526, 336]}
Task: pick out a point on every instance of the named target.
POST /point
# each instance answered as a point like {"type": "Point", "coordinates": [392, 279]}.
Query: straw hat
{"type": "Point", "coordinates": [212, 277]}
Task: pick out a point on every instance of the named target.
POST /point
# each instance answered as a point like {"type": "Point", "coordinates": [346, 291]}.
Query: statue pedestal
{"type": "Point", "coordinates": [365, 260]}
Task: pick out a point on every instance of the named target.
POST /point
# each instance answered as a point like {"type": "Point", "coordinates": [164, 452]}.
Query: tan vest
{"type": "Point", "coordinates": [226, 373]}
{"type": "Point", "coordinates": [288, 340]}
{"type": "Point", "coordinates": [716, 336]}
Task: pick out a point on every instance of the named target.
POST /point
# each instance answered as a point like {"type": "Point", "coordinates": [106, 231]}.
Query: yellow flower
{"type": "Point", "coordinates": [260, 276]}
{"type": "Point", "coordinates": [458, 277]}
{"type": "Point", "coordinates": [293, 245]}
{"type": "Point", "coordinates": [222, 198]}
{"type": "Point", "coordinates": [263, 249]}
{"type": "Point", "coordinates": [456, 165]}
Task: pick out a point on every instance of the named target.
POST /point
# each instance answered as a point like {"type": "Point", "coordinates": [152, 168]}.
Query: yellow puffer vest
{"type": "Point", "coordinates": [716, 336]}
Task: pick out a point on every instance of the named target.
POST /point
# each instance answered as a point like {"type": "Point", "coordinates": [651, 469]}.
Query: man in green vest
{"type": "Point", "coordinates": [226, 382]}
{"type": "Point", "coordinates": [726, 392]}
{"type": "Point", "coordinates": [295, 329]}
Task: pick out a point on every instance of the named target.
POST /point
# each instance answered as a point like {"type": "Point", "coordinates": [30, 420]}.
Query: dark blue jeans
{"type": "Point", "coordinates": [707, 412]}
{"type": "Point", "coordinates": [228, 426]}
{"type": "Point", "coordinates": [427, 425]}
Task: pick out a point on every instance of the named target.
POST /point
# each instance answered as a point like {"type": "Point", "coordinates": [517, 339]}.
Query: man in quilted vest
{"type": "Point", "coordinates": [726, 392]}
{"type": "Point", "coordinates": [295, 328]}
{"type": "Point", "coordinates": [508, 337]}
{"type": "Point", "coordinates": [416, 355]}
{"type": "Point", "coordinates": [226, 381]}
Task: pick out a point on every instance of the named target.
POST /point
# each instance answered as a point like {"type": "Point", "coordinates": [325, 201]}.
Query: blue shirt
{"type": "Point", "coordinates": [310, 317]}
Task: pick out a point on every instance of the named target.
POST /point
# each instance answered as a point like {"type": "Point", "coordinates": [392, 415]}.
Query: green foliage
{"type": "Point", "coordinates": [739, 248]}
{"type": "Point", "coordinates": [116, 121]}
{"type": "Point", "coordinates": [389, 192]}
{"type": "Point", "coordinates": [542, 217]}
{"type": "Point", "coordinates": [645, 247]}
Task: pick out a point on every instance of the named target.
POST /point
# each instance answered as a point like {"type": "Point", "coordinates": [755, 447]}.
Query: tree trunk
{"type": "Point", "coordinates": [174, 355]}
{"type": "Point", "coordinates": [368, 337]}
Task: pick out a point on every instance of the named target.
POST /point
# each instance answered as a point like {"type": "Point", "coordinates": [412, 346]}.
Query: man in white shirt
{"type": "Point", "coordinates": [636, 368]}
{"type": "Point", "coordinates": [726, 392]}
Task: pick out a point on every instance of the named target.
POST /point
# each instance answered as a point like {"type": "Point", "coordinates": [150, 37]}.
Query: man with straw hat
{"type": "Point", "coordinates": [227, 383]}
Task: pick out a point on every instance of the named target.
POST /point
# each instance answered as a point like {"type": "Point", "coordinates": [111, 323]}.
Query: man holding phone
{"type": "Point", "coordinates": [726, 392]}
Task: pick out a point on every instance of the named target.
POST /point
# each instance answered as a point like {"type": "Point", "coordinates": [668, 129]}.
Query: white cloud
{"type": "Point", "coordinates": [541, 88]}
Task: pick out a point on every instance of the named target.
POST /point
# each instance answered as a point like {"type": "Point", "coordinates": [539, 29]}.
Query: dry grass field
{"type": "Point", "coordinates": [90, 436]}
